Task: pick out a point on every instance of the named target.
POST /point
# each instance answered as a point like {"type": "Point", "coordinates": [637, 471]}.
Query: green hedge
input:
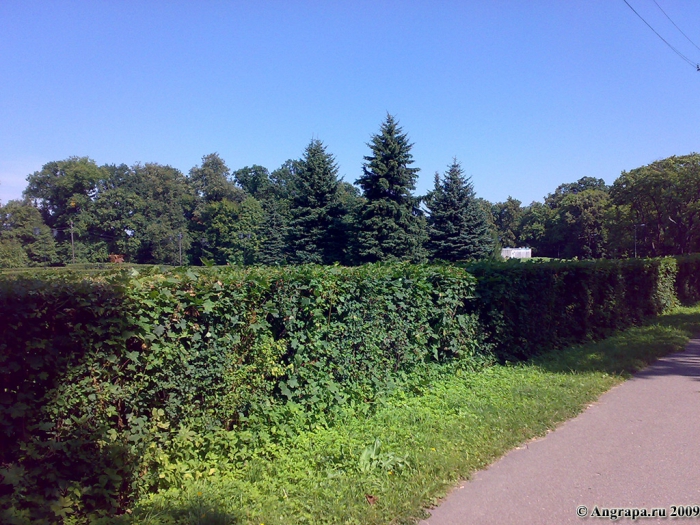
{"type": "Point", "coordinates": [529, 307]}
{"type": "Point", "coordinates": [116, 384]}
{"type": "Point", "coordinates": [688, 280]}
{"type": "Point", "coordinates": [101, 376]}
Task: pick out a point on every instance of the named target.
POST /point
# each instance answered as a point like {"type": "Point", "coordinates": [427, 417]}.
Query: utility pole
{"type": "Point", "coordinates": [179, 242]}
{"type": "Point", "coordinates": [72, 246]}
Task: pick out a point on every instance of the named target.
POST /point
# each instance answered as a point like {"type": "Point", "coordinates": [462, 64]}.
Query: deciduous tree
{"type": "Point", "coordinates": [506, 218]}
{"type": "Point", "coordinates": [25, 239]}
{"type": "Point", "coordinates": [211, 181]}
{"type": "Point", "coordinates": [581, 224]}
{"type": "Point", "coordinates": [232, 231]}
{"type": "Point", "coordinates": [664, 197]}
{"type": "Point", "coordinates": [65, 193]}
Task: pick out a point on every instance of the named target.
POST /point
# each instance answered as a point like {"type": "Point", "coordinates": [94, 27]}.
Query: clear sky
{"type": "Point", "coordinates": [526, 94]}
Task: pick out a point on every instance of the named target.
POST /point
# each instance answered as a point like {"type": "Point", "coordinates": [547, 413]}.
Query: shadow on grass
{"type": "Point", "coordinates": [635, 349]}
{"type": "Point", "coordinates": [686, 319]}
{"type": "Point", "coordinates": [179, 511]}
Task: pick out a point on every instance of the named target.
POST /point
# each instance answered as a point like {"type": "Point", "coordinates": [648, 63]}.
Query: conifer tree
{"type": "Point", "coordinates": [458, 228]}
{"type": "Point", "coordinates": [315, 233]}
{"type": "Point", "coordinates": [391, 225]}
{"type": "Point", "coordinates": [271, 189]}
{"type": "Point", "coordinates": [273, 249]}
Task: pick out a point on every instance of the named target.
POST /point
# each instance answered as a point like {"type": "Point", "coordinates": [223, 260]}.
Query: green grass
{"type": "Point", "coordinates": [429, 438]}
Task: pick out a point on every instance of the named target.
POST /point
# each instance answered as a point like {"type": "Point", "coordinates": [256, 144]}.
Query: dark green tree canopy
{"type": "Point", "coordinates": [167, 204]}
{"type": "Point", "coordinates": [25, 240]}
{"type": "Point", "coordinates": [315, 229]}
{"type": "Point", "coordinates": [273, 233]}
{"type": "Point", "coordinates": [282, 179]}
{"type": "Point", "coordinates": [65, 189]}
{"type": "Point", "coordinates": [583, 184]}
{"type": "Point", "coordinates": [232, 231]}
{"type": "Point", "coordinates": [391, 225]}
{"type": "Point", "coordinates": [506, 218]}
{"type": "Point", "coordinates": [386, 173]}
{"type": "Point", "coordinates": [211, 181]}
{"type": "Point", "coordinates": [316, 179]}
{"type": "Point", "coordinates": [664, 197]}
{"type": "Point", "coordinates": [581, 224]}
{"type": "Point", "coordinates": [66, 192]}
{"type": "Point", "coordinates": [255, 180]}
{"type": "Point", "coordinates": [458, 228]}
{"type": "Point", "coordinates": [119, 212]}
{"type": "Point", "coordinates": [303, 212]}
{"type": "Point", "coordinates": [534, 231]}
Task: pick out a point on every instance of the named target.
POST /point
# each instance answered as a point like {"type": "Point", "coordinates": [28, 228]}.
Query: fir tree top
{"type": "Point", "coordinates": [391, 226]}
{"type": "Point", "coordinates": [314, 232]}
{"type": "Point", "coordinates": [457, 226]}
{"type": "Point", "coordinates": [386, 172]}
{"type": "Point", "coordinates": [316, 182]}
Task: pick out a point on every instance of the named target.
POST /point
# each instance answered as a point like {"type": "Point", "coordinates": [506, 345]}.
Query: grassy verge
{"type": "Point", "coordinates": [386, 468]}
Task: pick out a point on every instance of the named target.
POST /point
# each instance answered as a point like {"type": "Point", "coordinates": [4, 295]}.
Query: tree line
{"type": "Point", "coordinates": [302, 212]}
{"type": "Point", "coordinates": [650, 211]}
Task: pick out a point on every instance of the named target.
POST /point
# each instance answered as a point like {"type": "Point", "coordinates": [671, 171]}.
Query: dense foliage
{"type": "Point", "coordinates": [25, 240]}
{"type": "Point", "coordinates": [649, 211]}
{"type": "Point", "coordinates": [117, 384]}
{"type": "Point", "coordinates": [688, 279]}
{"type": "Point", "coordinates": [457, 226]}
{"type": "Point", "coordinates": [105, 379]}
{"type": "Point", "coordinates": [75, 211]}
{"type": "Point", "coordinates": [663, 199]}
{"type": "Point", "coordinates": [528, 308]}
{"type": "Point", "coordinates": [121, 383]}
{"type": "Point", "coordinates": [391, 224]}
{"type": "Point", "coordinates": [317, 234]}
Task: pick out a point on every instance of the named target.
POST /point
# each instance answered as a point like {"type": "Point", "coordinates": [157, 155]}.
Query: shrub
{"type": "Point", "coordinates": [688, 280]}
{"type": "Point", "coordinates": [120, 383]}
{"type": "Point", "coordinates": [105, 377]}
{"type": "Point", "coordinates": [526, 308]}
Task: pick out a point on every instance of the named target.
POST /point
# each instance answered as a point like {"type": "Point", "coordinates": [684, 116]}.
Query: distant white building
{"type": "Point", "coordinates": [516, 253]}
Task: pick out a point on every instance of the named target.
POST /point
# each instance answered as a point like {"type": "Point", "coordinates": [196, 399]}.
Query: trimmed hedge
{"type": "Point", "coordinates": [106, 381]}
{"type": "Point", "coordinates": [688, 280]}
{"type": "Point", "coordinates": [100, 376]}
{"type": "Point", "coordinates": [528, 307]}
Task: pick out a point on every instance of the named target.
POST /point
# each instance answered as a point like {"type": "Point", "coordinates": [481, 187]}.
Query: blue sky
{"type": "Point", "coordinates": [526, 94]}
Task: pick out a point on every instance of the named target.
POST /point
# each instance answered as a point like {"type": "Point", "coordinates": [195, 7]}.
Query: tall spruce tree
{"type": "Point", "coordinates": [273, 249]}
{"type": "Point", "coordinates": [315, 232]}
{"type": "Point", "coordinates": [458, 228]}
{"type": "Point", "coordinates": [391, 225]}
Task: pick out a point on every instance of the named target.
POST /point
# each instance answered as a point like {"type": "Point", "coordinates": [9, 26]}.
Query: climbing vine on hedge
{"type": "Point", "coordinates": [120, 383]}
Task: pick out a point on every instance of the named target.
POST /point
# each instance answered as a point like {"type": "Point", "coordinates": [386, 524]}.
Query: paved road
{"type": "Point", "coordinates": [637, 446]}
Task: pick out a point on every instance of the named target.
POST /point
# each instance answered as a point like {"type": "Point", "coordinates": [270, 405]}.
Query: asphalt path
{"type": "Point", "coordinates": [638, 447]}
